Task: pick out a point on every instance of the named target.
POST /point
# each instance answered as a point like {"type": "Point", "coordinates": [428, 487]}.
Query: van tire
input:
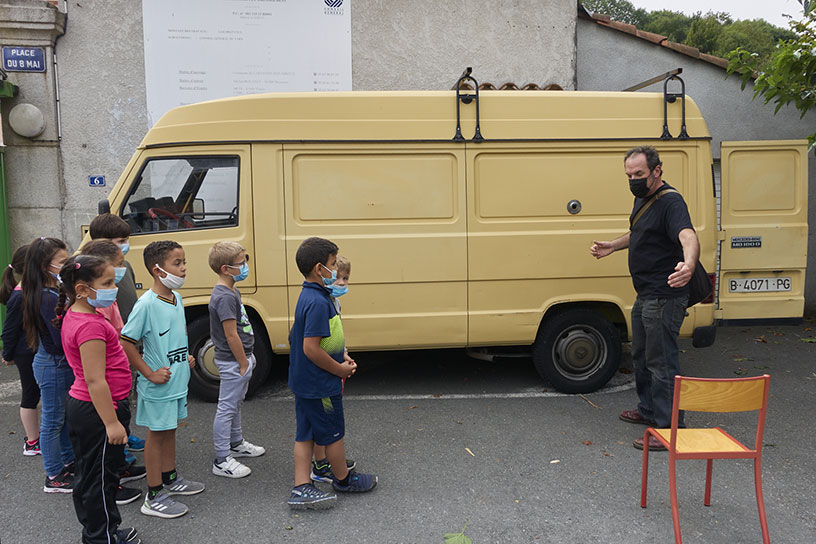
{"type": "Point", "coordinates": [204, 382]}
{"type": "Point", "coordinates": [577, 351]}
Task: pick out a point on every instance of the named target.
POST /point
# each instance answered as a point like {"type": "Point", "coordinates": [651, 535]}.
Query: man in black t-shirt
{"type": "Point", "coordinates": [663, 251]}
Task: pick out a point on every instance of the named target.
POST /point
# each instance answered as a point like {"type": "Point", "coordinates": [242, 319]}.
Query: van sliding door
{"type": "Point", "coordinates": [764, 230]}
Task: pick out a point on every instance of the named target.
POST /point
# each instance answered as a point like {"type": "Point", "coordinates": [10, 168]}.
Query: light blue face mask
{"type": "Point", "coordinates": [337, 291]}
{"type": "Point", "coordinates": [244, 271]}
{"type": "Point", "coordinates": [329, 281]}
{"type": "Point", "coordinates": [104, 297]}
{"type": "Point", "coordinates": [119, 272]}
{"type": "Point", "coordinates": [125, 248]}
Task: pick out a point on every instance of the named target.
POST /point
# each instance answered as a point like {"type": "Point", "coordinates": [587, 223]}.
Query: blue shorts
{"type": "Point", "coordinates": [320, 420]}
{"type": "Point", "coordinates": [160, 415]}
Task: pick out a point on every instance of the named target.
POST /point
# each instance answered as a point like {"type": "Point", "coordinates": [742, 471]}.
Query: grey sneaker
{"type": "Point", "coordinates": [162, 506]}
{"type": "Point", "coordinates": [247, 449]}
{"type": "Point", "coordinates": [307, 496]}
{"type": "Point", "coordinates": [183, 486]}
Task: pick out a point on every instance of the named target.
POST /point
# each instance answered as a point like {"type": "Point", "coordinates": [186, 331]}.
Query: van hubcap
{"type": "Point", "coordinates": [205, 360]}
{"type": "Point", "coordinates": [579, 352]}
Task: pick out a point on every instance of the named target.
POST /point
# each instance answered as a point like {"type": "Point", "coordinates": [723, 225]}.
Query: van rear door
{"type": "Point", "coordinates": [764, 230]}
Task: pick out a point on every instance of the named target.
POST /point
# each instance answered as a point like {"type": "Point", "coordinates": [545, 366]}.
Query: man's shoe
{"type": "Point", "coordinates": [321, 472]}
{"type": "Point", "coordinates": [163, 506]}
{"type": "Point", "coordinates": [357, 483]}
{"type": "Point", "coordinates": [63, 483]}
{"type": "Point", "coordinates": [29, 450]}
{"type": "Point", "coordinates": [247, 449]}
{"type": "Point", "coordinates": [654, 444]}
{"type": "Point", "coordinates": [132, 472]}
{"type": "Point", "coordinates": [633, 416]}
{"type": "Point", "coordinates": [231, 468]}
{"type": "Point", "coordinates": [126, 495]}
{"type": "Point", "coordinates": [307, 496]}
{"type": "Point", "coordinates": [135, 443]}
{"type": "Point", "coordinates": [128, 535]}
{"type": "Point", "coordinates": [183, 486]}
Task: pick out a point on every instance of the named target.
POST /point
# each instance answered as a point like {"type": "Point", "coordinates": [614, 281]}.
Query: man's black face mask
{"type": "Point", "coordinates": [639, 186]}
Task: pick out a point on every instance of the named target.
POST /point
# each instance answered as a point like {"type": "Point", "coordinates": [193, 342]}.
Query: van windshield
{"type": "Point", "coordinates": [184, 193]}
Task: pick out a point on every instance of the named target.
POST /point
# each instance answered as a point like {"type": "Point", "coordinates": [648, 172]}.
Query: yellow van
{"type": "Point", "coordinates": [459, 238]}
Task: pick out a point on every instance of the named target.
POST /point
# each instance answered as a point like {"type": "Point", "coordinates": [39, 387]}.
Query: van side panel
{"type": "Point", "coordinates": [527, 252]}
{"type": "Point", "coordinates": [397, 212]}
{"type": "Point", "coordinates": [269, 260]}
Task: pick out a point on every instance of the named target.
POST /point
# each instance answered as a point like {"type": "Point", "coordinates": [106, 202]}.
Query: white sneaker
{"type": "Point", "coordinates": [231, 468]}
{"type": "Point", "coordinates": [246, 449]}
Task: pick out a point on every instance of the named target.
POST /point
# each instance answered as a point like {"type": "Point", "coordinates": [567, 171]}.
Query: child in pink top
{"type": "Point", "coordinates": [97, 408]}
{"type": "Point", "coordinates": [113, 254]}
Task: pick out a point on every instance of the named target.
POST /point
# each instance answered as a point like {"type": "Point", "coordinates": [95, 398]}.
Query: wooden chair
{"type": "Point", "coordinates": [711, 395]}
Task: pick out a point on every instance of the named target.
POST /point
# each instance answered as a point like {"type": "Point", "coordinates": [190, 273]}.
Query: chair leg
{"type": "Point", "coordinates": [763, 523]}
{"type": "Point", "coordinates": [645, 476]}
{"type": "Point", "coordinates": [709, 468]}
{"type": "Point", "coordinates": [673, 492]}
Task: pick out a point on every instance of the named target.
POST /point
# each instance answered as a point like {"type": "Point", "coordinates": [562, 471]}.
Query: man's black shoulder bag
{"type": "Point", "coordinates": [699, 284]}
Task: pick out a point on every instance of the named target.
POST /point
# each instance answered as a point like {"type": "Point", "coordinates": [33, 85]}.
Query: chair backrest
{"type": "Point", "coordinates": [722, 395]}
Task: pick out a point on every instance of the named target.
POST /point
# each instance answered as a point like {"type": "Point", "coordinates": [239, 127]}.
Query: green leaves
{"type": "Point", "coordinates": [458, 538]}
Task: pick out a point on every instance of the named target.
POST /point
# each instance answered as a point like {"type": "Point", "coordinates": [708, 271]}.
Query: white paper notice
{"type": "Point", "coordinates": [198, 50]}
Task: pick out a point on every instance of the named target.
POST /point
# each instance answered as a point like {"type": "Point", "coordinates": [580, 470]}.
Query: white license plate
{"type": "Point", "coordinates": [759, 285]}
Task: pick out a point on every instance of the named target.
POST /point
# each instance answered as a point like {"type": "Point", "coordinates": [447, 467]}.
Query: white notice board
{"type": "Point", "coordinates": [199, 50]}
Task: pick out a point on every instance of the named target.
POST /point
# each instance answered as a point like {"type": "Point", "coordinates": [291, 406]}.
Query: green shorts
{"type": "Point", "coordinates": [160, 415]}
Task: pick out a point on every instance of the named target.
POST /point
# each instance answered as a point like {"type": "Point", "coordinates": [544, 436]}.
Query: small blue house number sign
{"type": "Point", "coordinates": [96, 181]}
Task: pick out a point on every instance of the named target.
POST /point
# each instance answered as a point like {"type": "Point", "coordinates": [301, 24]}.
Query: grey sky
{"type": "Point", "coordinates": [770, 10]}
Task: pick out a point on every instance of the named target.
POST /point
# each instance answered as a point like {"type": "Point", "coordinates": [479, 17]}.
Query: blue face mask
{"type": "Point", "coordinates": [329, 281]}
{"type": "Point", "coordinates": [125, 248]}
{"type": "Point", "coordinates": [244, 272]}
{"type": "Point", "coordinates": [119, 272]}
{"type": "Point", "coordinates": [104, 297]}
{"type": "Point", "coordinates": [337, 291]}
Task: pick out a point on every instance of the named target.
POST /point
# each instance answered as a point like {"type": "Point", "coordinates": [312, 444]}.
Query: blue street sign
{"type": "Point", "coordinates": [23, 59]}
{"type": "Point", "coordinates": [96, 181]}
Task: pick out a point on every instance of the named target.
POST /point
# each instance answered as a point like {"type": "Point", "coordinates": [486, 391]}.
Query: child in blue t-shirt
{"type": "Point", "coordinates": [158, 320]}
{"type": "Point", "coordinates": [318, 363]}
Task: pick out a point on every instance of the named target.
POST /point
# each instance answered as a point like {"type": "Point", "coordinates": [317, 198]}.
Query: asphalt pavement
{"type": "Point", "coordinates": [456, 440]}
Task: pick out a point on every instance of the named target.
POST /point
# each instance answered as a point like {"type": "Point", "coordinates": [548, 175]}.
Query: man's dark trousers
{"type": "Point", "coordinates": [655, 327]}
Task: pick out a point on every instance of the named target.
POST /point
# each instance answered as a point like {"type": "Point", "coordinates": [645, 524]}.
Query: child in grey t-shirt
{"type": "Point", "coordinates": [233, 340]}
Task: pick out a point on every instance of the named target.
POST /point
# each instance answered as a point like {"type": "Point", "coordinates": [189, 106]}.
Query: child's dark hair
{"type": "Point", "coordinates": [312, 251]}
{"type": "Point", "coordinates": [35, 278]}
{"type": "Point", "coordinates": [8, 282]}
{"type": "Point", "coordinates": [78, 268]}
{"type": "Point", "coordinates": [107, 225]}
{"type": "Point", "coordinates": [101, 248]}
{"type": "Point", "coordinates": [156, 253]}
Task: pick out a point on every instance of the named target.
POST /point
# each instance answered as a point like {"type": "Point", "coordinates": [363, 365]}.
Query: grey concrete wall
{"type": "Point", "coordinates": [610, 60]}
{"type": "Point", "coordinates": [416, 44]}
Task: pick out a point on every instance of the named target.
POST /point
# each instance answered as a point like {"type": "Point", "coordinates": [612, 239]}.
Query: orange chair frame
{"type": "Point", "coordinates": [711, 395]}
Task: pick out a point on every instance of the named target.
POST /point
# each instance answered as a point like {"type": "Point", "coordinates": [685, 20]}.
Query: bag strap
{"type": "Point", "coordinates": [651, 201]}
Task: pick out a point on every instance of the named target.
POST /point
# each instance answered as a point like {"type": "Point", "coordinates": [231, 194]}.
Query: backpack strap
{"type": "Point", "coordinates": [651, 201]}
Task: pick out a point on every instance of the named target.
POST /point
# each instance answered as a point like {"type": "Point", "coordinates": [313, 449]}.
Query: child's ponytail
{"type": "Point", "coordinates": [10, 274]}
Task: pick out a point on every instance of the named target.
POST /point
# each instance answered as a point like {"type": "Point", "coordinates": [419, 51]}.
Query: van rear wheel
{"type": "Point", "coordinates": [204, 378]}
{"type": "Point", "coordinates": [577, 351]}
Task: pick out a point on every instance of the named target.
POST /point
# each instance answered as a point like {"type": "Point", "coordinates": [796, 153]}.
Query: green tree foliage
{"type": "Point", "coordinates": [789, 77]}
{"type": "Point", "coordinates": [673, 25]}
{"type": "Point", "coordinates": [618, 10]}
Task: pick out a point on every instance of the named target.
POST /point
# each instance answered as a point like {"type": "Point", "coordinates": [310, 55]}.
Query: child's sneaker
{"type": "Point", "coordinates": [31, 448]}
{"type": "Point", "coordinates": [247, 449]}
{"type": "Point", "coordinates": [321, 472]}
{"type": "Point", "coordinates": [231, 468]}
{"type": "Point", "coordinates": [127, 535]}
{"type": "Point", "coordinates": [132, 472]}
{"type": "Point", "coordinates": [70, 468]}
{"type": "Point", "coordinates": [307, 496]}
{"type": "Point", "coordinates": [357, 483]}
{"type": "Point", "coordinates": [183, 486]}
{"type": "Point", "coordinates": [126, 495]}
{"type": "Point", "coordinates": [163, 506]}
{"type": "Point", "coordinates": [135, 443]}
{"type": "Point", "coordinates": [63, 483]}
{"type": "Point", "coordinates": [129, 457]}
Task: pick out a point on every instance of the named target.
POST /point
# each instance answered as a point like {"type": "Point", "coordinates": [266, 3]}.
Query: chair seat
{"type": "Point", "coordinates": [703, 440]}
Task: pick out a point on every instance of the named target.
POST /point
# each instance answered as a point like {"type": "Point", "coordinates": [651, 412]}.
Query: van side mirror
{"type": "Point", "coordinates": [103, 206]}
{"type": "Point", "coordinates": [198, 209]}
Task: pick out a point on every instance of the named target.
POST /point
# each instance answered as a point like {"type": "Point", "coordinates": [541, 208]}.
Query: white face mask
{"type": "Point", "coordinates": [171, 281]}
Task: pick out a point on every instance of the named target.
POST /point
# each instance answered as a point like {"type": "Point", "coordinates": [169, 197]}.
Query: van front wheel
{"type": "Point", "coordinates": [577, 351]}
{"type": "Point", "coordinates": [204, 378]}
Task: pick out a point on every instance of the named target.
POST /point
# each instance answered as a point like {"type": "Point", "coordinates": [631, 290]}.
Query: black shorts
{"type": "Point", "coordinates": [320, 420]}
